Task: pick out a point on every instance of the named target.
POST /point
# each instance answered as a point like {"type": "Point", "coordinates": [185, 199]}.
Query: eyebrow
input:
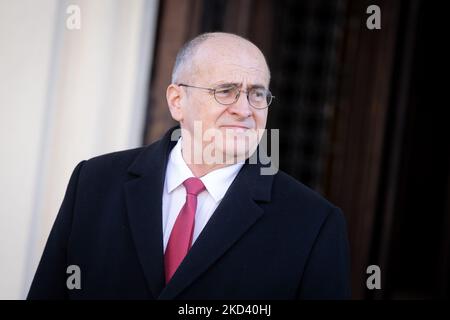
{"type": "Point", "coordinates": [257, 86]}
{"type": "Point", "coordinates": [238, 84]}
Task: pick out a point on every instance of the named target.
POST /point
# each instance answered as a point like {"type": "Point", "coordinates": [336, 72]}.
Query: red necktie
{"type": "Point", "coordinates": [180, 239]}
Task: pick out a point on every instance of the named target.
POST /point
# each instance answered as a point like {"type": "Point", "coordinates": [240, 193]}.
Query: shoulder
{"type": "Point", "coordinates": [287, 188]}
{"type": "Point", "coordinates": [301, 205]}
{"type": "Point", "coordinates": [114, 166]}
{"type": "Point", "coordinates": [110, 163]}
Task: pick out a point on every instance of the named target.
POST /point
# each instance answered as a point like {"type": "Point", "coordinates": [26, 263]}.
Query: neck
{"type": "Point", "coordinates": [199, 170]}
{"type": "Point", "coordinates": [198, 165]}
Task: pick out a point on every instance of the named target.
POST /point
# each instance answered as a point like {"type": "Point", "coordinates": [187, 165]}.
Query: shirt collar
{"type": "Point", "coordinates": [216, 182]}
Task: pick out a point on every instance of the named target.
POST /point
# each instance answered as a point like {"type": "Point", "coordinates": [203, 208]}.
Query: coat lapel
{"type": "Point", "coordinates": [144, 206]}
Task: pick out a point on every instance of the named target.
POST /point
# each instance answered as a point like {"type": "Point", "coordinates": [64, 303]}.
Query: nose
{"type": "Point", "coordinates": [241, 107]}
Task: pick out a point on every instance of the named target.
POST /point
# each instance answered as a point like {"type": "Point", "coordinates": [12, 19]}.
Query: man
{"type": "Point", "coordinates": [193, 218]}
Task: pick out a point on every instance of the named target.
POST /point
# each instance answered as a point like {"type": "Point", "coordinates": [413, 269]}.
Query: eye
{"type": "Point", "coordinates": [258, 93]}
{"type": "Point", "coordinates": [225, 90]}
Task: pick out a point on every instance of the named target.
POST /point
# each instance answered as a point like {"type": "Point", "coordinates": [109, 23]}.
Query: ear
{"type": "Point", "coordinates": [174, 96]}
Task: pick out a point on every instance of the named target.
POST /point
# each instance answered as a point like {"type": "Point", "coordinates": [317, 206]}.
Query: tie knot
{"type": "Point", "coordinates": [193, 186]}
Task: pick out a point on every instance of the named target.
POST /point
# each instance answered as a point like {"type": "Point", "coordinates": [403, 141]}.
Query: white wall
{"type": "Point", "coordinates": [65, 95]}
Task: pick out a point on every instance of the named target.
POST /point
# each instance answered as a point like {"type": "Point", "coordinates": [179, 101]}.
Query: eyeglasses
{"type": "Point", "coordinates": [226, 94]}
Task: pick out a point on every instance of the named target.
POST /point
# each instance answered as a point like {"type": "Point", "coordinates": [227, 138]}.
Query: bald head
{"type": "Point", "coordinates": [215, 46]}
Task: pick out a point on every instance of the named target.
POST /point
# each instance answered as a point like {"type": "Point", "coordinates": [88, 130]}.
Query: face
{"type": "Point", "coordinates": [227, 131]}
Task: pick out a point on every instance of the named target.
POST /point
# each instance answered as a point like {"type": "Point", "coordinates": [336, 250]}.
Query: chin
{"type": "Point", "coordinates": [239, 148]}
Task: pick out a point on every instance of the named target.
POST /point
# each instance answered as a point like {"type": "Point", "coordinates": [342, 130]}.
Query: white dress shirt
{"type": "Point", "coordinates": [216, 183]}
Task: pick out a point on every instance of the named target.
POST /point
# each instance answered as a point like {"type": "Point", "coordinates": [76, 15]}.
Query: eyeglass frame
{"type": "Point", "coordinates": [213, 90]}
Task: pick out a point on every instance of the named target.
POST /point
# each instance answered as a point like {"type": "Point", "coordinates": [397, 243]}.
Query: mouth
{"type": "Point", "coordinates": [239, 128]}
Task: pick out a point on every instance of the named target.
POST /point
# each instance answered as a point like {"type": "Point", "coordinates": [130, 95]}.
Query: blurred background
{"type": "Point", "coordinates": [360, 113]}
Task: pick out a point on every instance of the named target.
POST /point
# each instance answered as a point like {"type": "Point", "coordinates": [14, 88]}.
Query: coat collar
{"type": "Point", "coordinates": [236, 213]}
